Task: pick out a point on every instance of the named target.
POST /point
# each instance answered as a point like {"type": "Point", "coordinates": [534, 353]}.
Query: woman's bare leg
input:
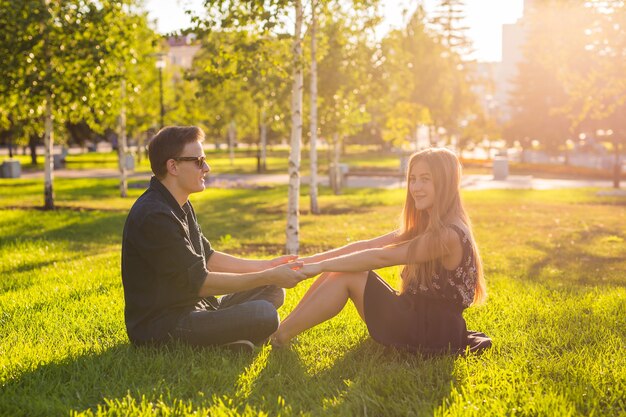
{"type": "Point", "coordinates": [325, 301]}
{"type": "Point", "coordinates": [304, 300]}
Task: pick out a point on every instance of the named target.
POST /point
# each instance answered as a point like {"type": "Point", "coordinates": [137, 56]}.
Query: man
{"type": "Point", "coordinates": [170, 272]}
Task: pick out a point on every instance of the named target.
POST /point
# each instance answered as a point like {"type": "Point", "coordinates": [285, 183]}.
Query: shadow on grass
{"type": "Point", "coordinates": [31, 266]}
{"type": "Point", "coordinates": [238, 212]}
{"type": "Point", "coordinates": [172, 372]}
{"type": "Point", "coordinates": [77, 228]}
{"type": "Point", "coordinates": [18, 184]}
{"type": "Point", "coordinates": [577, 264]}
{"type": "Point", "coordinates": [367, 380]}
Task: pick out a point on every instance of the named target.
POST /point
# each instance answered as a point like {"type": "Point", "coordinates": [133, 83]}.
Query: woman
{"type": "Point", "coordinates": [442, 272]}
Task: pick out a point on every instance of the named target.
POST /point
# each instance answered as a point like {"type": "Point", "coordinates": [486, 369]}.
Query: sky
{"type": "Point", "coordinates": [484, 19]}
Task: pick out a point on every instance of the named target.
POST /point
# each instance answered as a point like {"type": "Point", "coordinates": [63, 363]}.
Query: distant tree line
{"type": "Point", "coordinates": [571, 82]}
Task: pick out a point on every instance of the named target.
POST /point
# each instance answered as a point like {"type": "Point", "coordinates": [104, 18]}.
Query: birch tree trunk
{"type": "Point", "coordinates": [313, 149]}
{"type": "Point", "coordinates": [293, 227]}
{"type": "Point", "coordinates": [48, 165]}
{"type": "Point", "coordinates": [336, 169]}
{"type": "Point", "coordinates": [231, 141]}
{"type": "Point", "coordinates": [431, 135]}
{"type": "Point", "coordinates": [617, 164]}
{"type": "Point", "coordinates": [263, 141]}
{"type": "Point", "coordinates": [417, 138]}
{"type": "Point", "coordinates": [121, 146]}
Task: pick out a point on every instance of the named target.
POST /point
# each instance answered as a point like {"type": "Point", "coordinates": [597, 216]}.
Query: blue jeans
{"type": "Point", "coordinates": [249, 315]}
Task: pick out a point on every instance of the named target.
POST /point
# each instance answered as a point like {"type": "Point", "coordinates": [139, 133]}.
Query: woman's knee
{"type": "Point", "coordinates": [355, 282]}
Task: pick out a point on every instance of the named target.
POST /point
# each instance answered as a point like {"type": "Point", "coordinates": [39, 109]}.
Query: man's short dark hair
{"type": "Point", "coordinates": [168, 143]}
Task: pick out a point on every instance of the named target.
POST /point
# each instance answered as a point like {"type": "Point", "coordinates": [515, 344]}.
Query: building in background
{"type": "Point", "coordinates": [513, 37]}
{"type": "Point", "coordinates": [182, 49]}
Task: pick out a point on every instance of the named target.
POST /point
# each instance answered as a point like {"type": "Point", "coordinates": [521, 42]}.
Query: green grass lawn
{"type": "Point", "coordinates": [555, 263]}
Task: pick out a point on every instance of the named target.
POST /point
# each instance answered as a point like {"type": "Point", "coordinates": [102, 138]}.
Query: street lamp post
{"type": "Point", "coordinates": [160, 64]}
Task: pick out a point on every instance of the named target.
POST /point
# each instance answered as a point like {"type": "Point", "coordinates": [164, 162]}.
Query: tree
{"type": "Point", "coordinates": [60, 63]}
{"type": "Point", "coordinates": [451, 35]}
{"type": "Point", "coordinates": [51, 62]}
{"type": "Point", "coordinates": [539, 98]}
{"type": "Point", "coordinates": [268, 16]}
{"type": "Point", "coordinates": [128, 44]}
{"type": "Point", "coordinates": [247, 69]}
{"type": "Point", "coordinates": [314, 206]}
{"type": "Point", "coordinates": [415, 72]}
{"type": "Point", "coordinates": [596, 81]}
{"type": "Point", "coordinates": [343, 68]}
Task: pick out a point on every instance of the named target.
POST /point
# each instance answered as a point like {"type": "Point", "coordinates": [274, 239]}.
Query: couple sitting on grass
{"type": "Point", "coordinates": [172, 275]}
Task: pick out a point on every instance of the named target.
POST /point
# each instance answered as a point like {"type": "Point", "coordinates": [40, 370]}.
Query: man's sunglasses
{"type": "Point", "coordinates": [199, 160]}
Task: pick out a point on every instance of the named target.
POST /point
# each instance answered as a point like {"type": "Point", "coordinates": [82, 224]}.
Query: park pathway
{"type": "Point", "coordinates": [468, 182]}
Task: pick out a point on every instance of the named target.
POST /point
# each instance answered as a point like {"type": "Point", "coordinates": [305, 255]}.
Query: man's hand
{"type": "Point", "coordinates": [286, 275]}
{"type": "Point", "coordinates": [282, 260]}
{"type": "Point", "coordinates": [311, 270]}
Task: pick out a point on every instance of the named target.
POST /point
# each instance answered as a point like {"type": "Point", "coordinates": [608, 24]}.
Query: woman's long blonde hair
{"type": "Point", "coordinates": [447, 207]}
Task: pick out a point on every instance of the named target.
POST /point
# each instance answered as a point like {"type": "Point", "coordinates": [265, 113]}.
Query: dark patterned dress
{"type": "Point", "coordinates": [425, 319]}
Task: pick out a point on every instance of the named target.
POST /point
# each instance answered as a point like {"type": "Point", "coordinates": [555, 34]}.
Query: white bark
{"type": "Point", "coordinates": [121, 146]}
{"type": "Point", "coordinates": [431, 135]}
{"type": "Point", "coordinates": [232, 131]}
{"type": "Point", "coordinates": [263, 141]}
{"type": "Point", "coordinates": [48, 140]}
{"type": "Point", "coordinates": [336, 172]}
{"type": "Point", "coordinates": [313, 149]}
{"type": "Point", "coordinates": [293, 227]}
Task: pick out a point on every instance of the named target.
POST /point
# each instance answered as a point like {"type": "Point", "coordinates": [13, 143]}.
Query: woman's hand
{"type": "Point", "coordinates": [311, 270]}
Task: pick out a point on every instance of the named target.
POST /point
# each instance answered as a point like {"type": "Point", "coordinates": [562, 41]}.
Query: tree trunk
{"type": "Point", "coordinates": [121, 146]}
{"type": "Point", "coordinates": [336, 172]}
{"type": "Point", "coordinates": [48, 140]}
{"type": "Point", "coordinates": [263, 155]}
{"type": "Point", "coordinates": [140, 141]}
{"type": "Point", "coordinates": [617, 165]}
{"type": "Point", "coordinates": [231, 141]}
{"type": "Point", "coordinates": [313, 146]}
{"type": "Point", "coordinates": [32, 145]}
{"type": "Point", "coordinates": [10, 145]}
{"type": "Point", "coordinates": [293, 227]}
{"type": "Point", "coordinates": [431, 135]}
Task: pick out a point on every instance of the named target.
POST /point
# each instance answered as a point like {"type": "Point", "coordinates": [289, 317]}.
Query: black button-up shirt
{"type": "Point", "coordinates": [164, 263]}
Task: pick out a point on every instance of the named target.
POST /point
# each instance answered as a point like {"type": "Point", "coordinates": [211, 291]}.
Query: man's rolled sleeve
{"type": "Point", "coordinates": [196, 275]}
{"type": "Point", "coordinates": [208, 250]}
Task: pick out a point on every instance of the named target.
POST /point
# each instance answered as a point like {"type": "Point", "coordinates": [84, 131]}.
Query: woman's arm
{"type": "Point", "coordinates": [387, 256]}
{"type": "Point", "coordinates": [284, 276]}
{"type": "Point", "coordinates": [223, 262]}
{"type": "Point", "coordinates": [377, 242]}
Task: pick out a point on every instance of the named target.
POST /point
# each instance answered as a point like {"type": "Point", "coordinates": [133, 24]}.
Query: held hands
{"type": "Point", "coordinates": [282, 260]}
{"type": "Point", "coordinates": [311, 270]}
{"type": "Point", "coordinates": [307, 259]}
{"type": "Point", "coordinates": [287, 275]}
